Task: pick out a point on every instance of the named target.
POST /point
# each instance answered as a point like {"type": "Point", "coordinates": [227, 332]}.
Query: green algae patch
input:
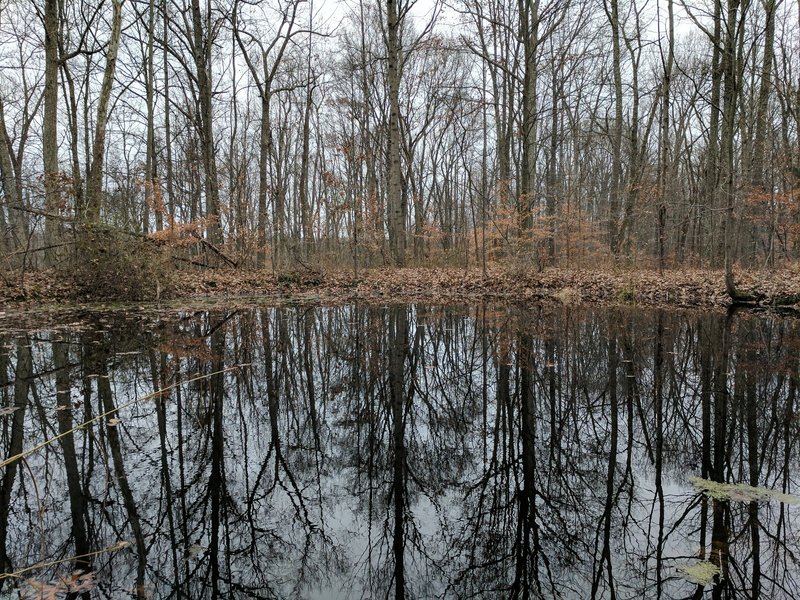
{"type": "Point", "coordinates": [701, 573]}
{"type": "Point", "coordinates": [739, 492]}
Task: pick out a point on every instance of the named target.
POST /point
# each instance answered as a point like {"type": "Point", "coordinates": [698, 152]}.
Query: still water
{"type": "Point", "coordinates": [401, 451]}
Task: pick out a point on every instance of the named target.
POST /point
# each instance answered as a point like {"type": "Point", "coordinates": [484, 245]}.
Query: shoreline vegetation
{"type": "Point", "coordinates": [679, 288]}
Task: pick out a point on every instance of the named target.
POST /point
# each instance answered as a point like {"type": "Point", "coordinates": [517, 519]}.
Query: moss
{"type": "Point", "coordinates": [308, 277]}
{"type": "Point", "coordinates": [626, 294]}
{"type": "Point", "coordinates": [739, 492]}
{"type": "Point", "coordinates": [288, 278]}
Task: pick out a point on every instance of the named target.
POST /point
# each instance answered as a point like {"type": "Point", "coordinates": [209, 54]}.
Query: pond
{"type": "Point", "coordinates": [401, 451]}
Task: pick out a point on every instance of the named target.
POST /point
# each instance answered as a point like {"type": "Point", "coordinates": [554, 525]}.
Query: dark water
{"type": "Point", "coordinates": [406, 452]}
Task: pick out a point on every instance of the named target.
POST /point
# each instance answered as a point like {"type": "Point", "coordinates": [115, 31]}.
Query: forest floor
{"type": "Point", "coordinates": [678, 288]}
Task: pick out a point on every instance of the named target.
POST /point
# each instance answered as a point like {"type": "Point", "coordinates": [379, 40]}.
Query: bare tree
{"type": "Point", "coordinates": [396, 206]}
{"type": "Point", "coordinates": [202, 42]}
{"type": "Point", "coordinates": [271, 56]}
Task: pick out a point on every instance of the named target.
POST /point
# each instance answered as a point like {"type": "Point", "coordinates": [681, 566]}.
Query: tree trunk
{"type": "Point", "coordinates": [552, 169]}
{"type": "Point", "coordinates": [712, 175]}
{"type": "Point", "coordinates": [529, 31]}
{"type": "Point", "coordinates": [17, 223]}
{"type": "Point", "coordinates": [72, 120]}
{"type": "Point", "coordinates": [264, 153]}
{"type": "Point", "coordinates": [762, 105]}
{"type": "Point", "coordinates": [615, 192]}
{"type": "Point", "coordinates": [664, 145]}
{"type": "Point", "coordinates": [395, 201]}
{"type": "Point", "coordinates": [202, 59]}
{"type": "Point", "coordinates": [152, 195]}
{"type": "Point", "coordinates": [50, 128]}
{"type": "Point", "coordinates": [305, 208]}
{"type": "Point", "coordinates": [95, 179]}
{"type": "Point", "coordinates": [730, 95]}
{"type": "Point", "coordinates": [167, 122]}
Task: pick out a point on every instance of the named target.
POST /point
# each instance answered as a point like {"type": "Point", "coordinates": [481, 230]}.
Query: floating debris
{"type": "Point", "coordinates": [739, 492]}
{"type": "Point", "coordinates": [702, 572]}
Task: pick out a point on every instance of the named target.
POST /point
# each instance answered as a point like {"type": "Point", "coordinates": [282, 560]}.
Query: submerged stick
{"type": "Point", "coordinates": [155, 394]}
{"type": "Point", "coordinates": [43, 565]}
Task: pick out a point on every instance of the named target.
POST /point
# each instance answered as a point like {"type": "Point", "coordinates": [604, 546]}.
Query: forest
{"type": "Point", "coordinates": [284, 134]}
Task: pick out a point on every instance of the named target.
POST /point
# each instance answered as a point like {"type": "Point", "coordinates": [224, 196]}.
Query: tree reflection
{"type": "Point", "coordinates": [362, 451]}
{"type": "Point", "coordinates": [13, 436]}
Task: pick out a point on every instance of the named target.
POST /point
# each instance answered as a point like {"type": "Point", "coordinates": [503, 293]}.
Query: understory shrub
{"type": "Point", "coordinates": [114, 264]}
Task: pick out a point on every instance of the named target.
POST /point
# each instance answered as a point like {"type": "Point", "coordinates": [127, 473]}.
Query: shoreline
{"type": "Point", "coordinates": [680, 288]}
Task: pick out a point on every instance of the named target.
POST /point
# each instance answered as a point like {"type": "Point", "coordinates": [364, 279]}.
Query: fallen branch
{"type": "Point", "coordinates": [218, 252]}
{"type": "Point", "coordinates": [195, 263]}
{"type": "Point", "coordinates": [789, 300]}
{"type": "Point", "coordinates": [39, 249]}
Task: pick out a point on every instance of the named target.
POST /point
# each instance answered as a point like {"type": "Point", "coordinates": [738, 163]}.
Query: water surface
{"type": "Point", "coordinates": [402, 451]}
